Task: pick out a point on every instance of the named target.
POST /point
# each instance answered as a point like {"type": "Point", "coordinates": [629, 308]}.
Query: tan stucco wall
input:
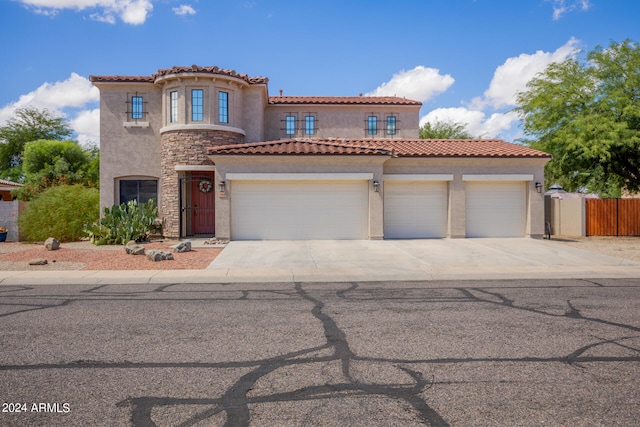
{"type": "Point", "coordinates": [342, 121]}
{"type": "Point", "coordinates": [127, 151]}
{"type": "Point", "coordinates": [567, 216]}
{"type": "Point", "coordinates": [297, 164]}
{"type": "Point", "coordinates": [253, 117]}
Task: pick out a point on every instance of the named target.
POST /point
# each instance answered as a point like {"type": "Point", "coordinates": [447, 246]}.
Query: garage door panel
{"type": "Point", "coordinates": [415, 209]}
{"type": "Point", "coordinates": [495, 209]}
{"type": "Point", "coordinates": [272, 210]}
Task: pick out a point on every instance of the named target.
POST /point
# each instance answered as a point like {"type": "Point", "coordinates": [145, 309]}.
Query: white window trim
{"type": "Point", "coordinates": [298, 176]}
{"type": "Point", "coordinates": [418, 177]}
{"type": "Point", "coordinates": [493, 177]}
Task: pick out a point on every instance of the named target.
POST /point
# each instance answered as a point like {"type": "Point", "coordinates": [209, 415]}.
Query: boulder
{"type": "Point", "coordinates": [134, 249]}
{"type": "Point", "coordinates": [156, 255]}
{"type": "Point", "coordinates": [52, 244]}
{"type": "Point", "coordinates": [38, 261]}
{"type": "Point", "coordinates": [182, 247]}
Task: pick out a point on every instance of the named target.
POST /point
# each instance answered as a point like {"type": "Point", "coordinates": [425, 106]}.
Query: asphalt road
{"type": "Point", "coordinates": [530, 353]}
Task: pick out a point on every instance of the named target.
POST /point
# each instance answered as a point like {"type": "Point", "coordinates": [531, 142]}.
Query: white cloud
{"type": "Point", "coordinates": [184, 9]}
{"type": "Point", "coordinates": [560, 7]}
{"type": "Point", "coordinates": [86, 124]}
{"type": "Point", "coordinates": [419, 84]}
{"type": "Point", "coordinates": [476, 121]}
{"type": "Point", "coordinates": [132, 12]}
{"type": "Point", "coordinates": [64, 98]}
{"type": "Point", "coordinates": [515, 73]}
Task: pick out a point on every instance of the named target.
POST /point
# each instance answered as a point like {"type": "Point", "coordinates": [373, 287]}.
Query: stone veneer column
{"type": "Point", "coordinates": [184, 147]}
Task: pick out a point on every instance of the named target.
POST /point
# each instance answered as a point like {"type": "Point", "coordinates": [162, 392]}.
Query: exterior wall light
{"type": "Point", "coordinates": [538, 187]}
{"type": "Point", "coordinates": [376, 186]}
{"type": "Point", "coordinates": [222, 186]}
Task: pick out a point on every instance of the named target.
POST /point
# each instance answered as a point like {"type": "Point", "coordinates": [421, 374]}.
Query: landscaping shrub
{"type": "Point", "coordinates": [122, 223]}
{"type": "Point", "coordinates": [60, 212]}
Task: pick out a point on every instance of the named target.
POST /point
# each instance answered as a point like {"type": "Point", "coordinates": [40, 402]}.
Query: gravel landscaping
{"type": "Point", "coordinates": [86, 256]}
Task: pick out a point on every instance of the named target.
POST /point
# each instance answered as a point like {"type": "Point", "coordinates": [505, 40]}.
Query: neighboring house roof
{"type": "Point", "coordinates": [341, 100]}
{"type": "Point", "coordinates": [7, 183]}
{"type": "Point", "coordinates": [493, 148]}
{"type": "Point", "coordinates": [180, 70]}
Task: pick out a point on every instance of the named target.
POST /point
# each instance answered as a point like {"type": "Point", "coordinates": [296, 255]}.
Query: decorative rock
{"type": "Point", "coordinates": [52, 244]}
{"type": "Point", "coordinates": [156, 255]}
{"type": "Point", "coordinates": [182, 247]}
{"type": "Point", "coordinates": [216, 241]}
{"type": "Point", "coordinates": [134, 249]}
{"type": "Point", "coordinates": [38, 261]}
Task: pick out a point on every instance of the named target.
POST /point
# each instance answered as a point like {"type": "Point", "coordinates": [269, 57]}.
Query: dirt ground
{"type": "Point", "coordinates": [620, 247]}
{"type": "Point", "coordinates": [85, 256]}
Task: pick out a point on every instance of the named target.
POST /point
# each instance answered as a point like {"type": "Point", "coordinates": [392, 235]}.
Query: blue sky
{"type": "Point", "coordinates": [464, 59]}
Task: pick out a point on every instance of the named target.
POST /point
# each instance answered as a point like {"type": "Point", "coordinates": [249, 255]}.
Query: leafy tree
{"type": "Point", "coordinates": [60, 212]}
{"type": "Point", "coordinates": [585, 111]}
{"type": "Point", "coordinates": [444, 130]}
{"type": "Point", "coordinates": [48, 163]}
{"type": "Point", "coordinates": [29, 124]}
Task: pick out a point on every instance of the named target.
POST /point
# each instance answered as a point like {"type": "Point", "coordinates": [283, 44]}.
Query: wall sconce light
{"type": "Point", "coordinates": [376, 186]}
{"type": "Point", "coordinates": [222, 186]}
{"type": "Point", "coordinates": [538, 187]}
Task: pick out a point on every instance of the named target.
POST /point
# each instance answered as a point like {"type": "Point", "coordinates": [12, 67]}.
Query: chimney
{"type": "Point", "coordinates": [280, 92]}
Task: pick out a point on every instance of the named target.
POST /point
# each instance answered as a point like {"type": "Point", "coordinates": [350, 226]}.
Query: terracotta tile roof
{"type": "Point", "coordinates": [178, 70]}
{"type": "Point", "coordinates": [461, 148]}
{"type": "Point", "coordinates": [301, 147]}
{"type": "Point", "coordinates": [492, 148]}
{"type": "Point", "coordinates": [348, 100]}
{"type": "Point", "coordinates": [123, 79]}
{"type": "Point", "coordinates": [210, 70]}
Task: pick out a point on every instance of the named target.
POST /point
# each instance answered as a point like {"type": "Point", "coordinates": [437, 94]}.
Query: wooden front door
{"type": "Point", "coordinates": [203, 213]}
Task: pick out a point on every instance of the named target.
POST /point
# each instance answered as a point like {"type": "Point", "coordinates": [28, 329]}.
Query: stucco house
{"type": "Point", "coordinates": [222, 157]}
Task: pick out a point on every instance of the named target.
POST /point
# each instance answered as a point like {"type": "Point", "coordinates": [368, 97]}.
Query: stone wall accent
{"type": "Point", "coordinates": [9, 211]}
{"type": "Point", "coordinates": [185, 147]}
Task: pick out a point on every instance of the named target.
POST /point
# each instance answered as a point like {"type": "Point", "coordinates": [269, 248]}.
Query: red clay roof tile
{"type": "Point", "coordinates": [179, 70]}
{"type": "Point", "coordinates": [300, 147]}
{"type": "Point", "coordinates": [350, 100]}
{"type": "Point", "coordinates": [494, 148]}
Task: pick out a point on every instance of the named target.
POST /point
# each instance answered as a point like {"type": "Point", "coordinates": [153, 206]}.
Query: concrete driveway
{"type": "Point", "coordinates": [431, 259]}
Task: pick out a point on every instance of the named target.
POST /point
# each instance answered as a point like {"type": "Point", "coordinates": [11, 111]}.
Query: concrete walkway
{"type": "Point", "coordinates": [366, 260]}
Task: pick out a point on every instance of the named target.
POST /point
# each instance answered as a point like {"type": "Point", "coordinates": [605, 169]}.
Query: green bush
{"type": "Point", "coordinates": [60, 212]}
{"type": "Point", "coordinates": [122, 223]}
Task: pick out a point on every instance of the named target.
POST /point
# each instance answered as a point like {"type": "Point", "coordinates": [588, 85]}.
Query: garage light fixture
{"type": "Point", "coordinates": [222, 185]}
{"type": "Point", "coordinates": [538, 187]}
{"type": "Point", "coordinates": [376, 186]}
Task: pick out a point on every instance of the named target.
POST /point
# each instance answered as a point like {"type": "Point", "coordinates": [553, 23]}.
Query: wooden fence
{"type": "Point", "coordinates": [613, 217]}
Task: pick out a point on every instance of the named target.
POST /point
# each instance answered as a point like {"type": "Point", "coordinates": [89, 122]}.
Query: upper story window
{"type": "Point", "coordinates": [197, 105]}
{"type": "Point", "coordinates": [290, 125]}
{"type": "Point", "coordinates": [372, 125]}
{"type": "Point", "coordinates": [223, 107]}
{"type": "Point", "coordinates": [391, 125]}
{"type": "Point", "coordinates": [309, 125]}
{"type": "Point", "coordinates": [173, 106]}
{"type": "Point", "coordinates": [136, 107]}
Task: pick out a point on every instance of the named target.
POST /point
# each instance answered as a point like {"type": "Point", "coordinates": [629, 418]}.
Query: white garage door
{"type": "Point", "coordinates": [415, 209]}
{"type": "Point", "coordinates": [495, 209]}
{"type": "Point", "coordinates": [299, 210]}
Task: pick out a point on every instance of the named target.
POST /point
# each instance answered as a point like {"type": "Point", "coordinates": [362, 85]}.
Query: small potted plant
{"type": "Point", "coordinates": [3, 234]}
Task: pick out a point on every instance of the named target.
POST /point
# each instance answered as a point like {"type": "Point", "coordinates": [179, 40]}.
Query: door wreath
{"type": "Point", "coordinates": [205, 186]}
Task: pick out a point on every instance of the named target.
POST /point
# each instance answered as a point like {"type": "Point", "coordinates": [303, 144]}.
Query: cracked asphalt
{"type": "Point", "coordinates": [440, 353]}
